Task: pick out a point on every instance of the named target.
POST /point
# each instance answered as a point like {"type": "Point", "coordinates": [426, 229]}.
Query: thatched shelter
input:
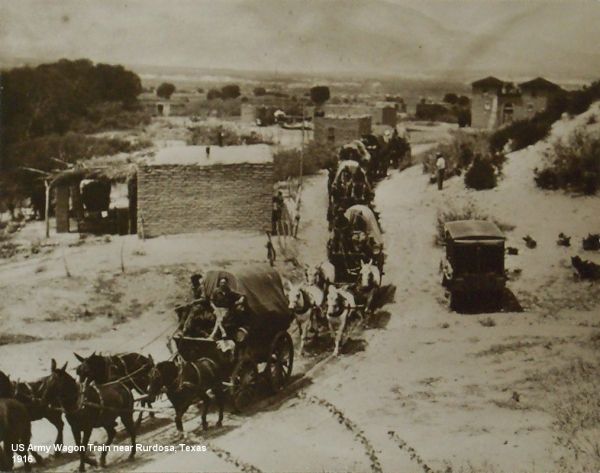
{"type": "Point", "coordinates": [84, 193]}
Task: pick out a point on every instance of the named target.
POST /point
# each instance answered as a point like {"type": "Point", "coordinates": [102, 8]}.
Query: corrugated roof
{"type": "Point", "coordinates": [224, 155]}
{"type": "Point", "coordinates": [473, 230]}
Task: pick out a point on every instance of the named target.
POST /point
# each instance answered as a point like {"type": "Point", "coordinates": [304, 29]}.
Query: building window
{"type": "Point", "coordinates": [530, 109]}
{"type": "Point", "coordinates": [507, 113]}
{"type": "Point", "coordinates": [331, 134]}
{"type": "Point", "coordinates": [487, 106]}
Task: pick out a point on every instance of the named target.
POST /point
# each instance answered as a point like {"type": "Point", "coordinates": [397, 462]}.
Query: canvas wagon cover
{"type": "Point", "coordinates": [366, 215]}
{"type": "Point", "coordinates": [474, 230]}
{"type": "Point", "coordinates": [263, 289]}
{"type": "Point", "coordinates": [360, 147]}
{"type": "Point", "coordinates": [351, 166]}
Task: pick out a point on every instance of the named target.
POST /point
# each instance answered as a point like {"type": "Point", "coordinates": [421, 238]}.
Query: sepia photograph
{"type": "Point", "coordinates": [300, 236]}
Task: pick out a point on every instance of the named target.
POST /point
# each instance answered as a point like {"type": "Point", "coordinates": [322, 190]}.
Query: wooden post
{"type": "Point", "coordinates": [47, 207]}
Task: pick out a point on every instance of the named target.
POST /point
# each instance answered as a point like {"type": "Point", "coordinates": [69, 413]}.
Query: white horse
{"type": "Point", "coordinates": [370, 275]}
{"type": "Point", "coordinates": [369, 282]}
{"type": "Point", "coordinates": [306, 302]}
{"type": "Point", "coordinates": [322, 276]}
{"type": "Point", "coordinates": [340, 305]}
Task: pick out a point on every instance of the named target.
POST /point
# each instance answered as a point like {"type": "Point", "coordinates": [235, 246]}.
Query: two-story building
{"type": "Point", "coordinates": [496, 102]}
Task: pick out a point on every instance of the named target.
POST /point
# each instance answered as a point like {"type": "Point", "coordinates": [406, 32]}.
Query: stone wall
{"type": "Point", "coordinates": [182, 199]}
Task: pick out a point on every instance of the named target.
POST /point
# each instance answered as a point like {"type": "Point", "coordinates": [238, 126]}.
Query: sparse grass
{"type": "Point", "coordinates": [73, 337]}
{"type": "Point", "coordinates": [12, 339]}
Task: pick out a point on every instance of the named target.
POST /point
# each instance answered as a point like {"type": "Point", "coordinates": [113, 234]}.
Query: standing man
{"type": "Point", "coordinates": [276, 212]}
{"type": "Point", "coordinates": [440, 164]}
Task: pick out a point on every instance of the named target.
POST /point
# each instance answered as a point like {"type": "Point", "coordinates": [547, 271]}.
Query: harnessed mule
{"type": "Point", "coordinates": [187, 383]}
{"type": "Point", "coordinates": [30, 395]}
{"type": "Point", "coordinates": [130, 368]}
{"type": "Point", "coordinates": [15, 432]}
{"type": "Point", "coordinates": [306, 302]}
{"type": "Point", "coordinates": [340, 306]}
{"type": "Point", "coordinates": [6, 387]}
{"type": "Point", "coordinates": [89, 406]}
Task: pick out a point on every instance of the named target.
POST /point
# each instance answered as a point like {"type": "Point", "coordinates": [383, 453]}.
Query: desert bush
{"type": "Point", "coordinates": [459, 154]}
{"type": "Point", "coordinates": [574, 164]}
{"type": "Point", "coordinates": [481, 175]}
{"type": "Point", "coordinates": [316, 157]}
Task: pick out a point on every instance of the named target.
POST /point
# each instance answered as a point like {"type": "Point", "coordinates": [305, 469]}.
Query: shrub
{"type": "Point", "coordinates": [165, 90]}
{"type": "Point", "coordinates": [481, 175]}
{"type": "Point", "coordinates": [316, 157]}
{"type": "Point", "coordinates": [459, 152]}
{"type": "Point", "coordinates": [574, 164]}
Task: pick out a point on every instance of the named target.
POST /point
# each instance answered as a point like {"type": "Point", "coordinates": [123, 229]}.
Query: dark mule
{"type": "Point", "coordinates": [90, 406]}
{"type": "Point", "coordinates": [15, 432]}
{"type": "Point", "coordinates": [6, 387]}
{"type": "Point", "coordinates": [187, 383]}
{"type": "Point", "coordinates": [130, 369]}
{"type": "Point", "coordinates": [30, 394]}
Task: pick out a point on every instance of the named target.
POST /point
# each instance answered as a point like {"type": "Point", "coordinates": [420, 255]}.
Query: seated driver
{"type": "Point", "coordinates": [230, 309]}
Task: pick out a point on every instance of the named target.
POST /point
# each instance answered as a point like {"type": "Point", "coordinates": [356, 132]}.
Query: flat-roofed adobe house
{"type": "Point", "coordinates": [342, 129]}
{"type": "Point", "coordinates": [496, 102]}
{"type": "Point", "coordinates": [187, 189]}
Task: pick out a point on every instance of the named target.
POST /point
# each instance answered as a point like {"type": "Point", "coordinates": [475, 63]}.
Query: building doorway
{"type": "Point", "coordinates": [507, 113]}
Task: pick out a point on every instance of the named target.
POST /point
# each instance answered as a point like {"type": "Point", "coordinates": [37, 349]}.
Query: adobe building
{"type": "Point", "coordinates": [191, 188]}
{"type": "Point", "coordinates": [381, 113]}
{"type": "Point", "coordinates": [495, 102]}
{"type": "Point", "coordinates": [340, 130]}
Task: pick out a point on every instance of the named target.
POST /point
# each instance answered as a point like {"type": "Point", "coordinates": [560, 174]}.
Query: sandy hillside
{"type": "Point", "coordinates": [504, 392]}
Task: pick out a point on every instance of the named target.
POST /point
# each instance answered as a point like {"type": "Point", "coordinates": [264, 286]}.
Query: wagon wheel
{"type": "Point", "coordinates": [281, 361]}
{"type": "Point", "coordinates": [244, 382]}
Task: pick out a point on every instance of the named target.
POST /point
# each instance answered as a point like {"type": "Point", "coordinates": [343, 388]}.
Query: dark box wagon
{"type": "Point", "coordinates": [473, 268]}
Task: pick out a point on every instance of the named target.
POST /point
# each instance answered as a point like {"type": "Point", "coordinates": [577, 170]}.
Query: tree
{"type": "Point", "coordinates": [451, 98]}
{"type": "Point", "coordinates": [319, 94]}
{"type": "Point", "coordinates": [165, 90]}
{"type": "Point", "coordinates": [258, 91]}
{"type": "Point", "coordinates": [213, 94]}
{"type": "Point", "coordinates": [464, 101]}
{"type": "Point", "coordinates": [231, 91]}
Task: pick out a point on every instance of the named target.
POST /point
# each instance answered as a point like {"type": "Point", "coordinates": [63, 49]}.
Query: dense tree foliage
{"type": "Point", "coordinates": [258, 91]}
{"type": "Point", "coordinates": [451, 98]}
{"type": "Point", "coordinates": [41, 104]}
{"type": "Point", "coordinates": [165, 90]}
{"type": "Point", "coordinates": [319, 94]}
{"type": "Point", "coordinates": [231, 91]}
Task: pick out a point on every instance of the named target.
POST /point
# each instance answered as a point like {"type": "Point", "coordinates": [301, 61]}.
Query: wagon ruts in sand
{"type": "Point", "coordinates": [255, 350]}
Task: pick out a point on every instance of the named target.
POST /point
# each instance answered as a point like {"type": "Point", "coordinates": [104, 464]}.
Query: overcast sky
{"type": "Point", "coordinates": [314, 35]}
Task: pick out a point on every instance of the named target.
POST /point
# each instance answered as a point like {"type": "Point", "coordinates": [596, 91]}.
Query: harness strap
{"type": "Point", "coordinates": [101, 400]}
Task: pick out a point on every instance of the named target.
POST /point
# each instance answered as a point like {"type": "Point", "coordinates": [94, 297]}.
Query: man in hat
{"type": "Point", "coordinates": [229, 308]}
{"type": "Point", "coordinates": [440, 165]}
